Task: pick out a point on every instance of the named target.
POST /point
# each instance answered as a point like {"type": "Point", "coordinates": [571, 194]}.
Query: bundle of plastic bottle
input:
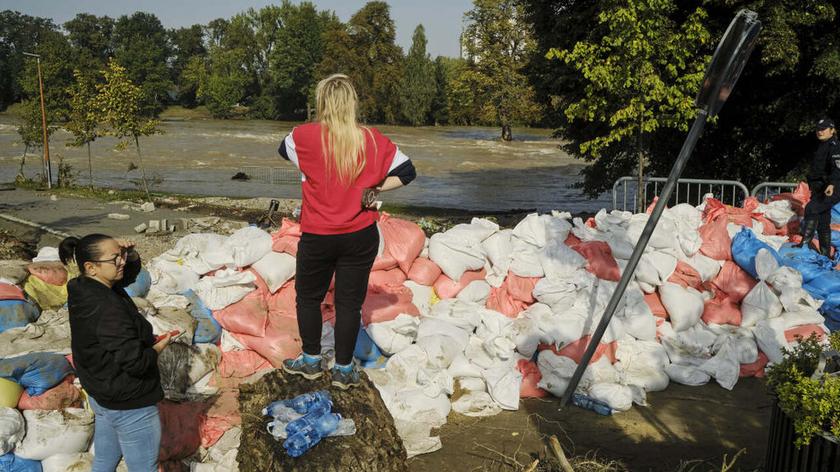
{"type": "Point", "coordinates": [304, 420]}
{"type": "Point", "coordinates": [588, 403]}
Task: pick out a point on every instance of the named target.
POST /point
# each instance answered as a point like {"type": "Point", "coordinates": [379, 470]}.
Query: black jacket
{"type": "Point", "coordinates": [825, 166]}
{"type": "Point", "coordinates": [112, 343]}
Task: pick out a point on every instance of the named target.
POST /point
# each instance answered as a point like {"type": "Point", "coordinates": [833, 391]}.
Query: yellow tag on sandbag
{"type": "Point", "coordinates": [48, 296]}
{"type": "Point", "coordinates": [435, 298]}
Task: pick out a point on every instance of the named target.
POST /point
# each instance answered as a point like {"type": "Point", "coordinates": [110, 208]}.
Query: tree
{"type": "Point", "coordinates": [140, 45]}
{"type": "Point", "coordinates": [90, 37]}
{"type": "Point", "coordinates": [498, 43]}
{"type": "Point", "coordinates": [31, 131]}
{"type": "Point", "coordinates": [18, 33]}
{"type": "Point", "coordinates": [186, 44]}
{"type": "Point", "coordinates": [84, 115]}
{"type": "Point", "coordinates": [439, 109]}
{"type": "Point", "coordinates": [642, 71]}
{"type": "Point", "coordinates": [120, 101]}
{"type": "Point", "coordinates": [56, 71]}
{"type": "Point", "coordinates": [418, 87]}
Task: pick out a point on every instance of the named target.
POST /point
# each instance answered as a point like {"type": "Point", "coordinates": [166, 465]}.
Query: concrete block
{"type": "Point", "coordinates": [154, 226]}
{"type": "Point", "coordinates": [118, 216]}
{"type": "Point", "coordinates": [147, 207]}
{"type": "Point", "coordinates": [140, 228]}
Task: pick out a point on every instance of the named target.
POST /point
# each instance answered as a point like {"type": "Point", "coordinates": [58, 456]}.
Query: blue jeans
{"type": "Point", "coordinates": [133, 434]}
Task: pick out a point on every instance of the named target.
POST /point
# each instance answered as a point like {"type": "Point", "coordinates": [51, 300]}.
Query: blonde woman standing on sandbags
{"type": "Point", "coordinates": [114, 352]}
{"type": "Point", "coordinates": [344, 167]}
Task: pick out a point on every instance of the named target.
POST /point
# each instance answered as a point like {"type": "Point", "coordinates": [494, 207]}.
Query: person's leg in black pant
{"type": "Point", "coordinates": [824, 231]}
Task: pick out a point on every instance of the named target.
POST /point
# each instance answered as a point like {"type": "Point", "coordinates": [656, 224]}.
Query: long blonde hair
{"type": "Point", "coordinates": [342, 139]}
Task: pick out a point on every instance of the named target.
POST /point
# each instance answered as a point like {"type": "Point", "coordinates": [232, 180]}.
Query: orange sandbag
{"type": "Point", "coordinates": [286, 238]}
{"type": "Point", "coordinates": [734, 281]}
{"type": "Point", "coordinates": [447, 288]}
{"type": "Point", "coordinates": [531, 376]}
{"type": "Point", "coordinates": [804, 332]}
{"type": "Point", "coordinates": [741, 216]}
{"type": "Point", "coordinates": [686, 276]}
{"type": "Point", "coordinates": [393, 276]}
{"type": "Point", "coordinates": [600, 260]}
{"type": "Point", "coordinates": [63, 395]}
{"type": "Point", "coordinates": [222, 415]}
{"type": "Point", "coordinates": [404, 240]}
{"type": "Point", "coordinates": [502, 301]}
{"type": "Point", "coordinates": [755, 369]}
{"type": "Point", "coordinates": [281, 341]}
{"type": "Point", "coordinates": [236, 366]}
{"type": "Point", "coordinates": [716, 241]}
{"type": "Point", "coordinates": [769, 227]}
{"type": "Point", "coordinates": [572, 240]}
{"type": "Point", "coordinates": [521, 288]}
{"type": "Point", "coordinates": [283, 303]}
{"type": "Point", "coordinates": [52, 273]}
{"type": "Point", "coordinates": [247, 316]}
{"type": "Point", "coordinates": [722, 310]}
{"type": "Point", "coordinates": [384, 262]}
{"type": "Point", "coordinates": [655, 304]}
{"type": "Point", "coordinates": [576, 349]}
{"type": "Point", "coordinates": [386, 302]}
{"type": "Point", "coordinates": [424, 271]}
{"type": "Point", "coordinates": [798, 198]}
{"type": "Point", "coordinates": [180, 425]}
{"type": "Point", "coordinates": [10, 292]}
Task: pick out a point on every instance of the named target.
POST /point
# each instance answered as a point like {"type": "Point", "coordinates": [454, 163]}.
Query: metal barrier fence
{"type": "Point", "coordinates": [271, 175]}
{"type": "Point", "coordinates": [687, 191]}
{"type": "Point", "coordinates": [770, 189]}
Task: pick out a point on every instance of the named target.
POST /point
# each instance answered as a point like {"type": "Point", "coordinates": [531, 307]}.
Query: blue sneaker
{"type": "Point", "coordinates": [309, 367]}
{"type": "Point", "coordinates": [345, 377]}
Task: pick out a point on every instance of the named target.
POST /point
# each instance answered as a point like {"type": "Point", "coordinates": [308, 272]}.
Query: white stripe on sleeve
{"type": "Point", "coordinates": [290, 150]}
{"type": "Point", "coordinates": [399, 159]}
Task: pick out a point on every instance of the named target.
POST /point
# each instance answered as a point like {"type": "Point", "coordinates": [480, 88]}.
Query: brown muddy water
{"type": "Point", "coordinates": [465, 168]}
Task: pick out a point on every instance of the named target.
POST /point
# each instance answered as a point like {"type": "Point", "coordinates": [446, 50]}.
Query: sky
{"type": "Point", "coordinates": [442, 19]}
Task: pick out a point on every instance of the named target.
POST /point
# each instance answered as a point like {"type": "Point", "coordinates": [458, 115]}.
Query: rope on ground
{"type": "Point", "coordinates": [32, 224]}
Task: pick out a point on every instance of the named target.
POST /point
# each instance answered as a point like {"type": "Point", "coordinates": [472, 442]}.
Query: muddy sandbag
{"type": "Point", "coordinates": [13, 272]}
{"type": "Point", "coordinates": [68, 462]}
{"type": "Point", "coordinates": [17, 313]}
{"type": "Point", "coordinates": [50, 333]}
{"type": "Point", "coordinates": [167, 319]}
{"type": "Point", "coordinates": [182, 366]}
{"type": "Point", "coordinates": [53, 273]}
{"type": "Point", "coordinates": [55, 432]}
{"type": "Point", "coordinates": [376, 446]}
{"type": "Point", "coordinates": [11, 429]}
{"type": "Point", "coordinates": [36, 372]}
{"type": "Point", "coordinates": [47, 295]}
{"type": "Point", "coordinates": [63, 395]}
{"type": "Point", "coordinates": [180, 425]}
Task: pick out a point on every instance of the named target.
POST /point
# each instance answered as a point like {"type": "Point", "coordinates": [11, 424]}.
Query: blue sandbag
{"type": "Point", "coordinates": [17, 313]}
{"type": "Point", "coordinates": [368, 352]}
{"type": "Point", "coordinates": [37, 372]}
{"type": "Point", "coordinates": [809, 263]}
{"type": "Point", "coordinates": [141, 285]}
{"type": "Point", "coordinates": [826, 284]}
{"type": "Point", "coordinates": [12, 463]}
{"type": "Point", "coordinates": [208, 329]}
{"type": "Point", "coordinates": [835, 215]}
{"type": "Point", "coordinates": [745, 246]}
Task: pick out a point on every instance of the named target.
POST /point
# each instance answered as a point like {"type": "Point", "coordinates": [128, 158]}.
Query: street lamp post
{"type": "Point", "coordinates": [47, 166]}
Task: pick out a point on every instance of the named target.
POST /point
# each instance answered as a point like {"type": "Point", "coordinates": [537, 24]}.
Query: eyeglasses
{"type": "Point", "coordinates": [116, 260]}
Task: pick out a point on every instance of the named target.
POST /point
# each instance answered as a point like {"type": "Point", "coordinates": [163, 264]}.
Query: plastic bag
{"type": "Point", "coordinates": [37, 372]}
{"type": "Point", "coordinates": [17, 313]}
{"type": "Point", "coordinates": [685, 306]}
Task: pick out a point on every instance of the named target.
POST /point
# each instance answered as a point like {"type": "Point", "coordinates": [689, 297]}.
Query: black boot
{"type": "Point", "coordinates": [825, 243]}
{"type": "Point", "coordinates": [809, 229]}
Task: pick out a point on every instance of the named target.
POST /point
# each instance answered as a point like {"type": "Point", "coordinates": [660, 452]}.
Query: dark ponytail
{"type": "Point", "coordinates": [81, 250]}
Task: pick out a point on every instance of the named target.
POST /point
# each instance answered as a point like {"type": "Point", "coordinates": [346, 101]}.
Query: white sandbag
{"type": "Point", "coordinates": [499, 250]}
{"type": "Point", "coordinates": [248, 245]}
{"type": "Point", "coordinates": [785, 278]}
{"type": "Point", "coordinates": [461, 367]}
{"type": "Point", "coordinates": [615, 220]}
{"type": "Point", "coordinates": [655, 268]}
{"type": "Point", "coordinates": [275, 268]}
{"type": "Point", "coordinates": [503, 385]}
{"type": "Point", "coordinates": [395, 335]}
{"type": "Point", "coordinates": [526, 259]}
{"type": "Point", "coordinates": [803, 317]}
{"type": "Point", "coordinates": [225, 288]}
{"type": "Point", "coordinates": [230, 343]}
{"type": "Point", "coordinates": [416, 437]}
{"type": "Point", "coordinates": [641, 327]}
{"type": "Point", "coordinates": [421, 296]}
{"type": "Point", "coordinates": [798, 299]}
{"type": "Point", "coordinates": [161, 299]}
{"type": "Point", "coordinates": [472, 384]}
{"type": "Point", "coordinates": [556, 372]}
{"type": "Point", "coordinates": [687, 375]}
{"type": "Point", "coordinates": [663, 234]}
{"type": "Point", "coordinates": [50, 432]}
{"type": "Point", "coordinates": [618, 397]}
{"type": "Point", "coordinates": [746, 351]}
{"type": "Point", "coordinates": [525, 335]}
{"type": "Point", "coordinates": [759, 304]}
{"type": "Point", "coordinates": [558, 260]}
{"type": "Point", "coordinates": [476, 291]}
{"type": "Point", "coordinates": [424, 253]}
{"type": "Point", "coordinates": [461, 314]}
{"type": "Point", "coordinates": [779, 212]}
{"type": "Point", "coordinates": [435, 383]}
{"type": "Point", "coordinates": [765, 264]}
{"type": "Point", "coordinates": [583, 232]}
{"type": "Point", "coordinates": [439, 349]}
{"type": "Point", "coordinates": [430, 326]}
{"type": "Point", "coordinates": [684, 305]}
{"type": "Point", "coordinates": [643, 364]}
{"type": "Point", "coordinates": [551, 292]}
{"type": "Point", "coordinates": [689, 347]}
{"type": "Point", "coordinates": [724, 367]}
{"type": "Point", "coordinates": [621, 247]}
{"type": "Point", "coordinates": [537, 230]}
{"type": "Point", "coordinates": [200, 252]}
{"type": "Point", "coordinates": [459, 249]}
{"type": "Point", "coordinates": [170, 277]}
{"type": "Point", "coordinates": [476, 404]}
{"type": "Point", "coordinates": [11, 429]}
{"type": "Point", "coordinates": [75, 462]}
{"type": "Point", "coordinates": [707, 267]}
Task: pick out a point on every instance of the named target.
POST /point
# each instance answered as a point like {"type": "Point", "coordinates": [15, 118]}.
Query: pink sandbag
{"type": "Point", "coordinates": [655, 304]}
{"type": "Point", "coordinates": [384, 262]}
{"type": "Point", "coordinates": [741, 216]}
{"type": "Point", "coordinates": [576, 349]}
{"type": "Point", "coordinates": [283, 302]}
{"type": "Point", "coordinates": [572, 240]}
{"type": "Point", "coordinates": [531, 376]}
{"type": "Point", "coordinates": [10, 292]}
{"type": "Point", "coordinates": [236, 366]}
{"type": "Point", "coordinates": [804, 332]}
{"type": "Point", "coordinates": [502, 301]}
{"type": "Point", "coordinates": [521, 288]}
{"type": "Point", "coordinates": [222, 415]}
{"type": "Point", "coordinates": [447, 288]}
{"type": "Point", "coordinates": [386, 302]}
{"type": "Point", "coordinates": [281, 341]}
{"type": "Point", "coordinates": [249, 315]}
{"type": "Point", "coordinates": [769, 227]}
{"type": "Point", "coordinates": [404, 240]}
{"type": "Point", "coordinates": [393, 276]}
{"type": "Point", "coordinates": [716, 241]}
{"type": "Point", "coordinates": [755, 369]}
{"type": "Point", "coordinates": [286, 238]}
{"type": "Point", "coordinates": [798, 198]}
{"type": "Point", "coordinates": [722, 310]}
{"type": "Point", "coordinates": [600, 261]}
{"type": "Point", "coordinates": [52, 273]}
{"type": "Point", "coordinates": [424, 271]}
{"type": "Point", "coordinates": [64, 395]}
{"type": "Point", "coordinates": [734, 281]}
{"type": "Point", "coordinates": [686, 276]}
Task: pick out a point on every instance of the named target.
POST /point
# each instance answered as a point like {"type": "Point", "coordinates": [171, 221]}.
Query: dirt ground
{"type": "Point", "coordinates": [684, 428]}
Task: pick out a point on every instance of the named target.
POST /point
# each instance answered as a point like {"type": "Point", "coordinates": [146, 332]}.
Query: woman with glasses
{"type": "Point", "coordinates": [114, 352]}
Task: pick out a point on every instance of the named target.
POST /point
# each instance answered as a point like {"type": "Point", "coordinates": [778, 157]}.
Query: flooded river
{"type": "Point", "coordinates": [458, 167]}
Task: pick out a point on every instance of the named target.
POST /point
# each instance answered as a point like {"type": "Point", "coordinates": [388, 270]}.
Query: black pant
{"type": "Point", "coordinates": [819, 209]}
{"type": "Point", "coordinates": [350, 257]}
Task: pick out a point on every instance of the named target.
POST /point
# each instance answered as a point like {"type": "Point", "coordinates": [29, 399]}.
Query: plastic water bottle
{"type": "Point", "coordinates": [589, 403]}
{"type": "Point", "coordinates": [346, 427]}
{"type": "Point", "coordinates": [281, 412]}
{"type": "Point", "coordinates": [311, 434]}
{"type": "Point", "coordinates": [312, 418]}
{"type": "Point", "coordinates": [301, 403]}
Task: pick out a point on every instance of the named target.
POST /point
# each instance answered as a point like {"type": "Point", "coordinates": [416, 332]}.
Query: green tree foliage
{"type": "Point", "coordinates": [186, 44]}
{"type": "Point", "coordinates": [18, 33]}
{"type": "Point", "coordinates": [460, 94]}
{"type": "Point", "coordinates": [56, 71]}
{"type": "Point", "coordinates": [221, 80]}
{"type": "Point", "coordinates": [120, 102]}
{"type": "Point", "coordinates": [140, 45]}
{"type": "Point", "coordinates": [499, 42]}
{"type": "Point", "coordinates": [439, 109]}
{"type": "Point", "coordinates": [31, 131]}
{"type": "Point", "coordinates": [91, 38]}
{"type": "Point", "coordinates": [84, 118]}
{"type": "Point", "coordinates": [642, 71]}
{"type": "Point", "coordinates": [418, 87]}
